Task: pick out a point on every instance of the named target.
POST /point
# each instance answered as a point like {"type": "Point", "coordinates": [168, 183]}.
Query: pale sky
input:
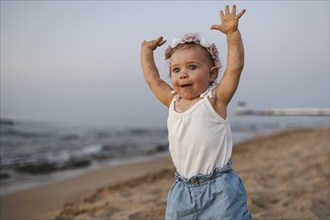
{"type": "Point", "coordinates": [79, 60]}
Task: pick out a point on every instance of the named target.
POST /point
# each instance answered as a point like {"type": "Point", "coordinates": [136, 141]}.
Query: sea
{"type": "Point", "coordinates": [34, 153]}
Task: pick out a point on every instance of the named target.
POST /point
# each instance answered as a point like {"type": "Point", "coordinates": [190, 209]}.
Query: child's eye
{"type": "Point", "coordinates": [192, 67]}
{"type": "Point", "coordinates": [176, 70]}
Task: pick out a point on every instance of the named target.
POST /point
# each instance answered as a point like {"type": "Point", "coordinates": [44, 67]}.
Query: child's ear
{"type": "Point", "coordinates": [213, 73]}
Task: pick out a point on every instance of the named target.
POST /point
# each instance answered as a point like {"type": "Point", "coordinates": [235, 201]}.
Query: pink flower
{"type": "Point", "coordinates": [214, 50]}
{"type": "Point", "coordinates": [190, 37]}
{"type": "Point", "coordinates": [168, 52]}
{"type": "Point", "coordinates": [217, 63]}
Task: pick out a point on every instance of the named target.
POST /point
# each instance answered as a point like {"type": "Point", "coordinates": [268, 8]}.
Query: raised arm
{"type": "Point", "coordinates": [235, 55]}
{"type": "Point", "coordinates": [151, 75]}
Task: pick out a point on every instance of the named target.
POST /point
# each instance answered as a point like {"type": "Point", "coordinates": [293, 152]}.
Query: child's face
{"type": "Point", "coordinates": [190, 71]}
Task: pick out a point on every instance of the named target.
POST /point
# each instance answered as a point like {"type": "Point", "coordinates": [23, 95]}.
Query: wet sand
{"type": "Point", "coordinates": [286, 175]}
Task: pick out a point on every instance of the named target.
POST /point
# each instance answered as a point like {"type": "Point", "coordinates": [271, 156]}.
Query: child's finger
{"type": "Point", "coordinates": [239, 15]}
{"type": "Point", "coordinates": [234, 10]}
{"type": "Point", "coordinates": [227, 9]}
{"type": "Point", "coordinates": [221, 15]}
{"type": "Point", "coordinates": [160, 41]}
{"type": "Point", "coordinates": [215, 27]}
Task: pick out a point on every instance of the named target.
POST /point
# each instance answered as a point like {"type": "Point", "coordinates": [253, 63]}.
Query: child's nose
{"type": "Point", "coordinates": [183, 74]}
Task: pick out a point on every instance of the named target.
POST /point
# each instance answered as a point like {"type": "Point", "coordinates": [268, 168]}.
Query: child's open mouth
{"type": "Point", "coordinates": [185, 85]}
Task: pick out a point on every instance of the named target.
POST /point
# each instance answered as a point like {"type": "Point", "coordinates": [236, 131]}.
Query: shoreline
{"type": "Point", "coordinates": [55, 177]}
{"type": "Point", "coordinates": [275, 179]}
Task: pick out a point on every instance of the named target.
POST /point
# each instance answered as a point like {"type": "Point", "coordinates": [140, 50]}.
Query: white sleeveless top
{"type": "Point", "coordinates": [199, 139]}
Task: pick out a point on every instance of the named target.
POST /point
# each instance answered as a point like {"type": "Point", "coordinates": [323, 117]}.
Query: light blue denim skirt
{"type": "Point", "coordinates": [219, 195]}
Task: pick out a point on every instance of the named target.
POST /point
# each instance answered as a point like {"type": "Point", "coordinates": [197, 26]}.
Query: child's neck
{"type": "Point", "coordinates": [182, 105]}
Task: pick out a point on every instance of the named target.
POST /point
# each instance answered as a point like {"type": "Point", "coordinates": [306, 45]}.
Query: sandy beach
{"type": "Point", "coordinates": [286, 175]}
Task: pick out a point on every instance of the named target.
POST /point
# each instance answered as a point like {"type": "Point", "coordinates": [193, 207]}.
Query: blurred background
{"type": "Point", "coordinates": [73, 94]}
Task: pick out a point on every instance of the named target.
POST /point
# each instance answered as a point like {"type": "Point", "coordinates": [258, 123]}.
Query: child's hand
{"type": "Point", "coordinates": [229, 21]}
{"type": "Point", "coordinates": [153, 44]}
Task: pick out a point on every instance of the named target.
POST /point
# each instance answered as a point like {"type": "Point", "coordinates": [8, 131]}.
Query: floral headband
{"type": "Point", "coordinates": [194, 38]}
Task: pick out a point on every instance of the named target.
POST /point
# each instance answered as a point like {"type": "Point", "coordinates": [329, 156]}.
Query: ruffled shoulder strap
{"type": "Point", "coordinates": [208, 92]}
{"type": "Point", "coordinates": [176, 96]}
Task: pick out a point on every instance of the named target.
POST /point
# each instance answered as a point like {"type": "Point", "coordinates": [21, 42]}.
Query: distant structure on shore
{"type": "Point", "coordinates": [242, 109]}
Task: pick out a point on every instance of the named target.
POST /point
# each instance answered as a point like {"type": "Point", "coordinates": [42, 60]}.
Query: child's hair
{"type": "Point", "coordinates": [190, 40]}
